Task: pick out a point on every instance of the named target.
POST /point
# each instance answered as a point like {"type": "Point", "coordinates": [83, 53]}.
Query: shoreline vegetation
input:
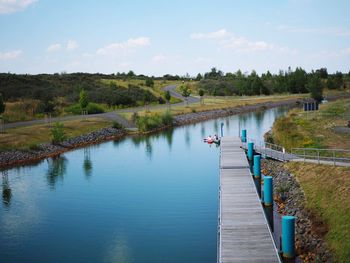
{"type": "Point", "coordinates": [10, 158]}
{"type": "Point", "coordinates": [38, 151]}
{"type": "Point", "coordinates": [326, 187]}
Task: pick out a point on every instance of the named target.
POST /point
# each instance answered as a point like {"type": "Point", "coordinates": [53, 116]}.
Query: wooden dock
{"type": "Point", "coordinates": [244, 235]}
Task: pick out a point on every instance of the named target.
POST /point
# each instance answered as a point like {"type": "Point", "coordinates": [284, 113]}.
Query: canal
{"type": "Point", "coordinates": [140, 199]}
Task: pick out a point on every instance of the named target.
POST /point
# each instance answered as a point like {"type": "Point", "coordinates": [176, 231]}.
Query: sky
{"type": "Point", "coordinates": [173, 37]}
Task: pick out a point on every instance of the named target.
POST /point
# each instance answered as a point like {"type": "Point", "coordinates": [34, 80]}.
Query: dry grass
{"type": "Point", "coordinates": [215, 103]}
{"type": "Point", "coordinates": [28, 137]}
{"type": "Point", "coordinates": [314, 129]}
{"type": "Point", "coordinates": [327, 190]}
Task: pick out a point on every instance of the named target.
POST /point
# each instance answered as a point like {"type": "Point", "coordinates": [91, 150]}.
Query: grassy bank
{"type": "Point", "coordinates": [327, 193]}
{"type": "Point", "coordinates": [215, 103]}
{"type": "Point", "coordinates": [29, 137]}
{"type": "Point", "coordinates": [314, 129]}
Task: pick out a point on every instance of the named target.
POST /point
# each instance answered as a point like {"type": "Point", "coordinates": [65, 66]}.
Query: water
{"type": "Point", "coordinates": [140, 199]}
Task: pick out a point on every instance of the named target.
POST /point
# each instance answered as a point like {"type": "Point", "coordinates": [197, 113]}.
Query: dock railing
{"type": "Point", "coordinates": [322, 155]}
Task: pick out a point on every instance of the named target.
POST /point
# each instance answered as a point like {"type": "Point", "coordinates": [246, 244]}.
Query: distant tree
{"type": "Point", "coordinates": [149, 82]}
{"type": "Point", "coordinates": [2, 105]}
{"type": "Point", "coordinates": [315, 87]}
{"type": "Point", "coordinates": [338, 79]}
{"type": "Point", "coordinates": [185, 91]}
{"type": "Point", "coordinates": [167, 96]}
{"type": "Point", "coordinates": [331, 83]}
{"type": "Point", "coordinates": [83, 100]}
{"type": "Point", "coordinates": [199, 77]}
{"type": "Point", "coordinates": [130, 74]}
{"type": "Point", "coordinates": [322, 72]}
{"type": "Point", "coordinates": [201, 94]}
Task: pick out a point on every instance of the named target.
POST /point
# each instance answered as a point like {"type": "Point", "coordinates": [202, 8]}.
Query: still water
{"type": "Point", "coordinates": [139, 199]}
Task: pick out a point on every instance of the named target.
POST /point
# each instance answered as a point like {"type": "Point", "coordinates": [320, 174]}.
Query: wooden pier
{"type": "Point", "coordinates": [244, 235]}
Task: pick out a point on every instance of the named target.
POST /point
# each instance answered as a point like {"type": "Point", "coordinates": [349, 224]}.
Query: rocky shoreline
{"type": "Point", "coordinates": [194, 117]}
{"type": "Point", "coordinates": [20, 157]}
{"type": "Point", "coordinates": [45, 150]}
{"type": "Point", "coordinates": [289, 196]}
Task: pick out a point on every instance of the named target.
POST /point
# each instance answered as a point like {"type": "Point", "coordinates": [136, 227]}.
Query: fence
{"type": "Point", "coordinates": [322, 155]}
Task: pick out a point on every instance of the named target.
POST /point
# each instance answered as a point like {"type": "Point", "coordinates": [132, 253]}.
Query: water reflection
{"type": "Point", "coordinates": [187, 136]}
{"type": "Point", "coordinates": [87, 166]}
{"type": "Point", "coordinates": [57, 167]}
{"type": "Point", "coordinates": [168, 134]}
{"type": "Point", "coordinates": [6, 189]}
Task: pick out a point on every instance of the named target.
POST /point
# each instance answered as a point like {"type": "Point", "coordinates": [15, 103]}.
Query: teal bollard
{"type": "Point", "coordinates": [288, 238]}
{"type": "Point", "coordinates": [250, 150]}
{"type": "Point", "coordinates": [257, 166]}
{"type": "Point", "coordinates": [244, 136]}
{"type": "Point", "coordinates": [268, 192]}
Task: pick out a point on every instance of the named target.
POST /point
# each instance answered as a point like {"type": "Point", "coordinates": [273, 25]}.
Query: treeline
{"type": "Point", "coordinates": [217, 83]}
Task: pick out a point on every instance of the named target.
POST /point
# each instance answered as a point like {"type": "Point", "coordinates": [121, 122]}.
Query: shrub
{"type": "Point", "coordinates": [94, 108]}
{"type": "Point", "coordinates": [117, 125]}
{"type": "Point", "coordinates": [152, 122]}
{"type": "Point", "coordinates": [57, 133]}
{"type": "Point", "coordinates": [167, 118]}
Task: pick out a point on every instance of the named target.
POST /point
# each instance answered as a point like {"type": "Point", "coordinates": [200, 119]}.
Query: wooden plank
{"type": "Point", "coordinates": [244, 233]}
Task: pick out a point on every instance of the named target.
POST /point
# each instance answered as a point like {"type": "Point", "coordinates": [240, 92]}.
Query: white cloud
{"type": "Point", "coordinates": [54, 47]}
{"type": "Point", "coordinates": [220, 34]}
{"type": "Point", "coordinates": [129, 44]}
{"type": "Point", "coordinates": [333, 31]}
{"type": "Point", "coordinates": [72, 44]}
{"type": "Point", "coordinates": [159, 58]}
{"type": "Point", "coordinates": [10, 54]}
{"type": "Point", "coordinates": [227, 40]}
{"type": "Point", "coordinates": [11, 6]}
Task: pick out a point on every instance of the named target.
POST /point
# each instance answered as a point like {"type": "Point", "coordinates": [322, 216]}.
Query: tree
{"type": "Point", "coordinates": [57, 133]}
{"type": "Point", "coordinates": [322, 73]}
{"type": "Point", "coordinates": [83, 101]}
{"type": "Point", "coordinates": [167, 96]}
{"type": "Point", "coordinates": [130, 74]}
{"type": "Point", "coordinates": [201, 94]}
{"type": "Point", "coordinates": [2, 105]}
{"type": "Point", "coordinates": [199, 77]}
{"type": "Point", "coordinates": [315, 87]}
{"type": "Point", "coordinates": [149, 82]}
{"type": "Point", "coordinates": [185, 91]}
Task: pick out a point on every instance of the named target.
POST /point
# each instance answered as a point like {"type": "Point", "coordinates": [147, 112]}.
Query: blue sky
{"type": "Point", "coordinates": [175, 37]}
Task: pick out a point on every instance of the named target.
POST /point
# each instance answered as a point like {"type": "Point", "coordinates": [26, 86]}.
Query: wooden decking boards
{"type": "Point", "coordinates": [244, 235]}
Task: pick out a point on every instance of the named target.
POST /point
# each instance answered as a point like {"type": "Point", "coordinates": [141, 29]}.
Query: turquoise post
{"type": "Point", "coordinates": [244, 136]}
{"type": "Point", "coordinates": [257, 166]}
{"type": "Point", "coordinates": [268, 191]}
{"type": "Point", "coordinates": [250, 150]}
{"type": "Point", "coordinates": [288, 238]}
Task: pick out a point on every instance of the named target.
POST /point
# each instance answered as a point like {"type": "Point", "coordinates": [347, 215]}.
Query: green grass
{"type": "Point", "coordinates": [29, 137]}
{"type": "Point", "coordinates": [314, 129]}
{"type": "Point", "coordinates": [327, 191]}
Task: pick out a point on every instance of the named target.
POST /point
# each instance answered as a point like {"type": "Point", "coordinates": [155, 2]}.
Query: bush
{"type": "Point", "coordinates": [167, 118]}
{"type": "Point", "coordinates": [149, 123]}
{"type": "Point", "coordinates": [94, 108]}
{"type": "Point", "coordinates": [117, 125]}
{"type": "Point", "coordinates": [57, 133]}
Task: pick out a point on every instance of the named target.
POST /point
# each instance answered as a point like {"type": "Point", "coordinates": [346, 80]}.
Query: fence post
{"type": "Point", "coordinates": [244, 135]}
{"type": "Point", "coordinates": [268, 190]}
{"type": "Point", "coordinates": [250, 150]}
{"type": "Point", "coordinates": [257, 166]}
{"type": "Point", "coordinates": [288, 236]}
